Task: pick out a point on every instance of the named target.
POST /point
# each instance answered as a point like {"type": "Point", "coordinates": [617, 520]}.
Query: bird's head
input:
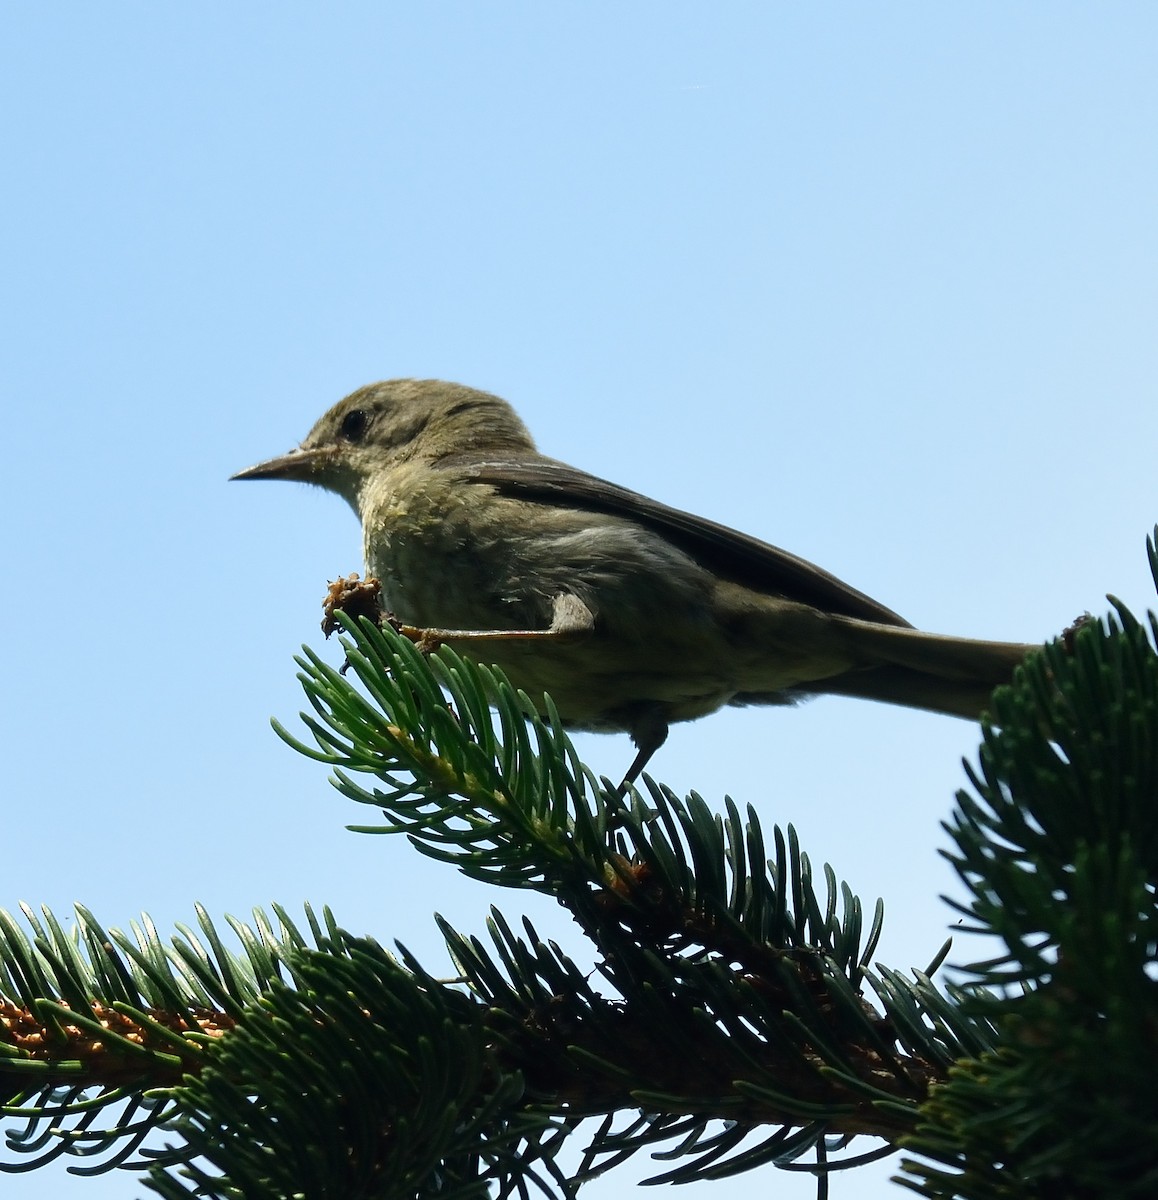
{"type": "Point", "coordinates": [387, 424]}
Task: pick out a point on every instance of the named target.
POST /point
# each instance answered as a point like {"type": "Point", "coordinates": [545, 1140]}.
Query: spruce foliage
{"type": "Point", "coordinates": [732, 1014]}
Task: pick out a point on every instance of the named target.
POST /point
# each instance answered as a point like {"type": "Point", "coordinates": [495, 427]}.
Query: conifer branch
{"type": "Point", "coordinates": [732, 1014]}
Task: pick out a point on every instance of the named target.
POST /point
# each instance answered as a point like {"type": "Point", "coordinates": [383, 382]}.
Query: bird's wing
{"type": "Point", "coordinates": [744, 559]}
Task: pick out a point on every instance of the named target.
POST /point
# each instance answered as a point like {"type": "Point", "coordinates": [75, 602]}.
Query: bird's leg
{"type": "Point", "coordinates": [570, 619]}
{"type": "Point", "coordinates": [648, 732]}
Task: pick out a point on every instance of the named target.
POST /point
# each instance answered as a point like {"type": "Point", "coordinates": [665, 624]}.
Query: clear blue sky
{"type": "Point", "coordinates": [877, 283]}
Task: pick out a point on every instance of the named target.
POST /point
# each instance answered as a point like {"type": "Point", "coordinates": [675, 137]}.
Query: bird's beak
{"type": "Point", "coordinates": [300, 464]}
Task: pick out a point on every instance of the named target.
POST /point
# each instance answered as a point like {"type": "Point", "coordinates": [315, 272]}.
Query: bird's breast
{"type": "Point", "coordinates": [447, 556]}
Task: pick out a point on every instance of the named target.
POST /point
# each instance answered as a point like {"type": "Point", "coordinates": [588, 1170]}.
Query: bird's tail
{"type": "Point", "coordinates": [923, 670]}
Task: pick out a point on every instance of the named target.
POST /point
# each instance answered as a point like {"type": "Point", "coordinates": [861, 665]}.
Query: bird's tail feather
{"type": "Point", "coordinates": [912, 689]}
{"type": "Point", "coordinates": [924, 670]}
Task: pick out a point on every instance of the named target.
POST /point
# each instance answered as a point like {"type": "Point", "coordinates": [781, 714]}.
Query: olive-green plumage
{"type": "Point", "coordinates": [630, 614]}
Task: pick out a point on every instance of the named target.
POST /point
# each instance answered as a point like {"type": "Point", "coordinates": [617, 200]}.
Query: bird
{"type": "Point", "coordinates": [631, 615]}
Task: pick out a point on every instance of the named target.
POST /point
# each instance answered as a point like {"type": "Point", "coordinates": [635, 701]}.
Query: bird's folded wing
{"type": "Point", "coordinates": [744, 559]}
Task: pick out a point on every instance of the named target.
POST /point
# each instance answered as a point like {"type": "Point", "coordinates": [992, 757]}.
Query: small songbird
{"type": "Point", "coordinates": [629, 614]}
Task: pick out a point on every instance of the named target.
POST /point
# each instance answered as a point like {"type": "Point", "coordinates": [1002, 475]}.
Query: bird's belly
{"type": "Point", "coordinates": [596, 680]}
{"type": "Point", "coordinates": [598, 683]}
{"type": "Point", "coordinates": [667, 637]}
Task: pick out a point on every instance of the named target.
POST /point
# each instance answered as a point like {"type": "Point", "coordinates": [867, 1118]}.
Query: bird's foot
{"type": "Point", "coordinates": [353, 596]}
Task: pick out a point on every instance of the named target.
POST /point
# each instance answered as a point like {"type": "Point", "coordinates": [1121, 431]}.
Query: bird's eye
{"type": "Point", "coordinates": [354, 424]}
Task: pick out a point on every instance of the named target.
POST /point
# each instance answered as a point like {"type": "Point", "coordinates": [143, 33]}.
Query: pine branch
{"type": "Point", "coordinates": [732, 1013]}
{"type": "Point", "coordinates": [1058, 847]}
{"type": "Point", "coordinates": [728, 989]}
